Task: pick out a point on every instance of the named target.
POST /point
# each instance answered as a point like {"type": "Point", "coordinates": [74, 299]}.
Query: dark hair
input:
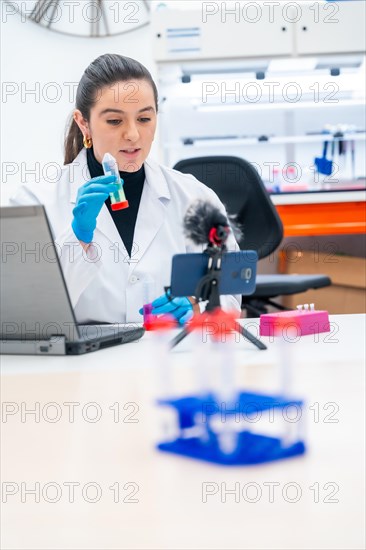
{"type": "Point", "coordinates": [104, 71]}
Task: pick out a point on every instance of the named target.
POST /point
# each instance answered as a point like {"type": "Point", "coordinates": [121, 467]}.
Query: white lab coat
{"type": "Point", "coordinates": [105, 284]}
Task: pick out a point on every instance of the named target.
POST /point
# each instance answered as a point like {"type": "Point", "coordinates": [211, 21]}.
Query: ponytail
{"type": "Point", "coordinates": [73, 141]}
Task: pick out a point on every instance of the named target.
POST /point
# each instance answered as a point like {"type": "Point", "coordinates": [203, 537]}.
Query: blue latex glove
{"type": "Point", "coordinates": [180, 308]}
{"type": "Point", "coordinates": [89, 201]}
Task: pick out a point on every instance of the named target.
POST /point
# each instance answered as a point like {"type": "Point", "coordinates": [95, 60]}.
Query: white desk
{"type": "Point", "coordinates": [170, 512]}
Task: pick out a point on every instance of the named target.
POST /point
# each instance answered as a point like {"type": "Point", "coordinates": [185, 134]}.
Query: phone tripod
{"type": "Point", "coordinates": [208, 289]}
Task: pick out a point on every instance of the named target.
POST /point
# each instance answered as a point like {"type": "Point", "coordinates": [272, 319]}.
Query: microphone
{"type": "Point", "coordinates": [204, 223]}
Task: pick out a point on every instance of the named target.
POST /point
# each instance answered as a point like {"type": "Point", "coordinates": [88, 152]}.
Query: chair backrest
{"type": "Point", "coordinates": [240, 188]}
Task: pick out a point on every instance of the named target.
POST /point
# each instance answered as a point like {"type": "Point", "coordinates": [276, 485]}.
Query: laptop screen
{"type": "Point", "coordinates": [34, 302]}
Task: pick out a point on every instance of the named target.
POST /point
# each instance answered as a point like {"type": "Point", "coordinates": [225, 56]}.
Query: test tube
{"type": "Point", "coordinates": [160, 337]}
{"type": "Point", "coordinates": [285, 339]}
{"type": "Point", "coordinates": [148, 297]}
{"type": "Point", "coordinates": [110, 168]}
{"type": "Point", "coordinates": [226, 394]}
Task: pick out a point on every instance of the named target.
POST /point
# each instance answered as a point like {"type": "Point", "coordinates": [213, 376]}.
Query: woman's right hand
{"type": "Point", "coordinates": [89, 201]}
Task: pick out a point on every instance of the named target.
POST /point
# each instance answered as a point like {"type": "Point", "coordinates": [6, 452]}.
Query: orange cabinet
{"type": "Point", "coordinates": [302, 220]}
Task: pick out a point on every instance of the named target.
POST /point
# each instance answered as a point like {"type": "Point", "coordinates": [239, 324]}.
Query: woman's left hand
{"type": "Point", "coordinates": [180, 308]}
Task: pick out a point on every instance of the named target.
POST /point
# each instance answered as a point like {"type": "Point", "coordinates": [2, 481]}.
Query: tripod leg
{"type": "Point", "coordinates": [244, 332]}
{"type": "Point", "coordinates": [179, 338]}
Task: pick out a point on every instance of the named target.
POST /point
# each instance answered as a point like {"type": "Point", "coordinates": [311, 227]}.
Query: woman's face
{"type": "Point", "coordinates": [122, 123]}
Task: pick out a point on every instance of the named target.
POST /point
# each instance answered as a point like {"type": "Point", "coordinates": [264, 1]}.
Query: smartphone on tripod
{"type": "Point", "coordinates": [237, 275]}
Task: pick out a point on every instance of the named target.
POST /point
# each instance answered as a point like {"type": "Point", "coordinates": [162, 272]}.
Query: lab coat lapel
{"type": "Point", "coordinates": [152, 211]}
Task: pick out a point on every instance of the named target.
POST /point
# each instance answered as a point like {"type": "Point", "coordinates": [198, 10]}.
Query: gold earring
{"type": "Point", "coordinates": [88, 142]}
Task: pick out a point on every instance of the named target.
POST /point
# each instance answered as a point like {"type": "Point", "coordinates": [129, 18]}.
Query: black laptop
{"type": "Point", "coordinates": [35, 308]}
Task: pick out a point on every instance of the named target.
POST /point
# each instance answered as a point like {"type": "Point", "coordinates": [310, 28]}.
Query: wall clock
{"type": "Point", "coordinates": [86, 18]}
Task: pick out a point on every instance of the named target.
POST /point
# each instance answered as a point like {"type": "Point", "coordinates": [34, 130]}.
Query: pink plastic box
{"type": "Point", "coordinates": [305, 321]}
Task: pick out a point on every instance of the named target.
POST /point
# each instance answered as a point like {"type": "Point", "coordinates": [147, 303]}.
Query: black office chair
{"type": "Point", "coordinates": [240, 188]}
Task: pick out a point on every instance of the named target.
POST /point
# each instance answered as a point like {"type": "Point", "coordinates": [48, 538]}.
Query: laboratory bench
{"type": "Point", "coordinates": [87, 451]}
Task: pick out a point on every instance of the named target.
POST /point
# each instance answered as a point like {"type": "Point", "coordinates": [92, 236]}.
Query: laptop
{"type": "Point", "coordinates": [36, 314]}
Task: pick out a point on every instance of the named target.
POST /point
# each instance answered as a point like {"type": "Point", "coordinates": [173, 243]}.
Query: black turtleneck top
{"type": "Point", "coordinates": [125, 220]}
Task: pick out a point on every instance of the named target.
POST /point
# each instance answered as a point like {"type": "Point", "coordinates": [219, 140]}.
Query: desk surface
{"type": "Point", "coordinates": [145, 499]}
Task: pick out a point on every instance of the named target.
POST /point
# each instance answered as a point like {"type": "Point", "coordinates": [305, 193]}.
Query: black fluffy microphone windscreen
{"type": "Point", "coordinates": [200, 218]}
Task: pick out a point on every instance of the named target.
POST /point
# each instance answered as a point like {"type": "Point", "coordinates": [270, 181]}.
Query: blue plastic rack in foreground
{"type": "Point", "coordinates": [250, 448]}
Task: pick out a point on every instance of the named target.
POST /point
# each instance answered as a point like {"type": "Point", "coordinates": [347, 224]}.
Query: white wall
{"type": "Point", "coordinates": [32, 127]}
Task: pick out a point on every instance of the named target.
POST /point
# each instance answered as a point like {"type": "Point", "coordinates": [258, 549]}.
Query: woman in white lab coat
{"type": "Point", "coordinates": [107, 255]}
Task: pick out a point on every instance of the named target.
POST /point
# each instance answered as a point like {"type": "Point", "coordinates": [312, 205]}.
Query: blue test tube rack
{"type": "Point", "coordinates": [251, 448]}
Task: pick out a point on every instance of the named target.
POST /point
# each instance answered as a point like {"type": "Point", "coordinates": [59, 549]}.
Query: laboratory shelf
{"type": "Point", "coordinates": [279, 106]}
{"type": "Point", "coordinates": [262, 140]}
